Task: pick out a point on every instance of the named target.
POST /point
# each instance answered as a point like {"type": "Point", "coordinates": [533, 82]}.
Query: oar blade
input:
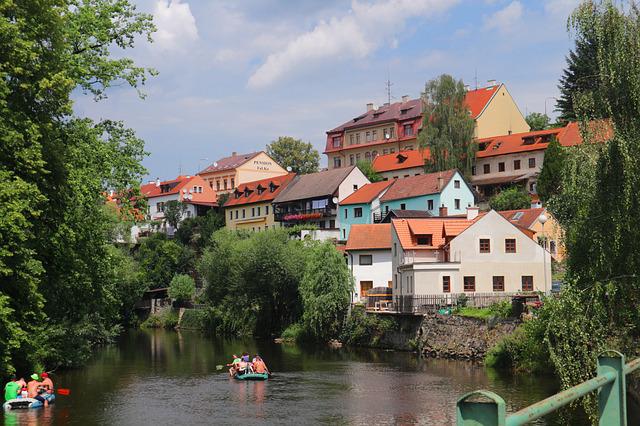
{"type": "Point", "coordinates": [62, 391]}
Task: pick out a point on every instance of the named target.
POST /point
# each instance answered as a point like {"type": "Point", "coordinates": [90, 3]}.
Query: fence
{"type": "Point", "coordinates": [485, 408]}
{"type": "Point", "coordinates": [422, 304]}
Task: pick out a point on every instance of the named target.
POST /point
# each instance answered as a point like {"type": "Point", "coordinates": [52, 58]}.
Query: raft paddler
{"type": "Point", "coordinates": [35, 390]}
{"type": "Point", "coordinates": [235, 365]}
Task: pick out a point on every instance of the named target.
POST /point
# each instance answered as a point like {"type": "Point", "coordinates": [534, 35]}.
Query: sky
{"type": "Point", "coordinates": [236, 74]}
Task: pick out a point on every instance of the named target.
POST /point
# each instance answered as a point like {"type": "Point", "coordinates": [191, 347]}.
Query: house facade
{"type": "Point", "coordinates": [314, 199]}
{"type": "Point", "coordinates": [225, 174]}
{"type": "Point", "coordinates": [249, 206]}
{"type": "Point", "coordinates": [394, 127]}
{"type": "Point", "coordinates": [550, 236]}
{"type": "Point", "coordinates": [368, 252]}
{"type": "Point", "coordinates": [361, 207]}
{"type": "Point", "coordinates": [482, 253]}
{"type": "Point", "coordinates": [429, 192]}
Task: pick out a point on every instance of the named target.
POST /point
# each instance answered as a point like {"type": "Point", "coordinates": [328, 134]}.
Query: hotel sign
{"type": "Point", "coordinates": [262, 164]}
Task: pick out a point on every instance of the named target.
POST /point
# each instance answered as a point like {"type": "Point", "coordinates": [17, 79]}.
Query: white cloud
{"type": "Point", "coordinates": [505, 20]}
{"type": "Point", "coordinates": [560, 8]}
{"type": "Point", "coordinates": [176, 24]}
{"type": "Point", "coordinates": [364, 28]}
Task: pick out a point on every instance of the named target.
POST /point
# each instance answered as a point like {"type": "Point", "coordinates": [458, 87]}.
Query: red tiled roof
{"type": "Point", "coordinates": [369, 237]}
{"type": "Point", "coordinates": [230, 162]}
{"type": "Point", "coordinates": [393, 112]}
{"type": "Point", "coordinates": [442, 230]}
{"type": "Point", "coordinates": [524, 220]}
{"type": "Point", "coordinates": [280, 182]}
{"type": "Point", "coordinates": [181, 185]}
{"type": "Point", "coordinates": [478, 99]}
{"type": "Point", "coordinates": [539, 140]}
{"type": "Point", "coordinates": [416, 186]}
{"type": "Point", "coordinates": [401, 160]}
{"type": "Point", "coordinates": [367, 193]}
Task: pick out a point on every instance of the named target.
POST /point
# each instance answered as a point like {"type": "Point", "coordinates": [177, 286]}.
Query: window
{"type": "Point", "coordinates": [425, 240]}
{"type": "Point", "coordinates": [406, 176]}
{"type": "Point", "coordinates": [336, 162]}
{"type": "Point", "coordinates": [266, 210]}
{"type": "Point", "coordinates": [456, 203]}
{"type": "Point", "coordinates": [446, 284]}
{"type": "Point", "coordinates": [374, 154]}
{"type": "Point", "coordinates": [532, 162]}
{"type": "Point", "coordinates": [322, 224]}
{"type": "Point", "coordinates": [516, 164]}
{"type": "Point", "coordinates": [355, 187]}
{"type": "Point", "coordinates": [487, 168]}
{"type": "Point", "coordinates": [159, 207]}
{"type": "Point", "coordinates": [253, 211]}
{"type": "Point", "coordinates": [456, 184]}
{"type": "Point", "coordinates": [351, 139]}
{"type": "Point", "coordinates": [233, 183]}
{"type": "Point", "coordinates": [552, 247]}
{"type": "Point", "coordinates": [374, 135]}
{"type": "Point", "coordinates": [336, 141]}
{"type": "Point", "coordinates": [385, 151]}
{"type": "Point", "coordinates": [357, 212]}
{"type": "Point", "coordinates": [469, 284]}
{"type": "Point", "coordinates": [332, 224]}
{"type": "Point", "coordinates": [390, 132]}
{"type": "Point", "coordinates": [346, 213]}
{"type": "Point", "coordinates": [368, 136]}
{"type": "Point", "coordinates": [392, 150]}
{"type": "Point", "coordinates": [357, 138]}
{"type": "Point", "coordinates": [408, 129]}
{"type": "Point", "coordinates": [527, 283]}
{"type": "Point", "coordinates": [217, 185]}
{"type": "Point", "coordinates": [498, 283]}
{"type": "Point", "coordinates": [403, 206]}
{"type": "Point", "coordinates": [532, 186]}
{"type": "Point", "coordinates": [258, 210]}
{"type": "Point", "coordinates": [225, 184]}
{"type": "Point", "coordinates": [386, 209]}
{"type": "Point", "coordinates": [473, 170]}
{"type": "Point", "coordinates": [244, 213]}
{"type": "Point", "coordinates": [230, 215]}
{"type": "Point", "coordinates": [501, 166]}
{"type": "Point", "coordinates": [236, 214]}
{"type": "Point", "coordinates": [352, 160]}
{"type": "Point", "coordinates": [485, 245]}
{"type": "Point", "coordinates": [395, 248]}
{"type": "Point", "coordinates": [429, 204]}
{"type": "Point", "coordinates": [408, 147]}
{"type": "Point", "coordinates": [357, 157]}
{"type": "Point", "coordinates": [510, 245]}
{"type": "Point", "coordinates": [367, 156]}
{"type": "Point", "coordinates": [319, 204]}
{"type": "Point", "coordinates": [365, 260]}
{"type": "Point", "coordinates": [365, 286]}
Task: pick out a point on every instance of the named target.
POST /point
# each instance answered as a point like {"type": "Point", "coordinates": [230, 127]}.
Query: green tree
{"type": "Point", "coordinates": [512, 198]}
{"type": "Point", "coordinates": [294, 153]}
{"type": "Point", "coordinates": [447, 126]}
{"type": "Point", "coordinates": [182, 288]}
{"type": "Point", "coordinates": [162, 258]}
{"type": "Point", "coordinates": [537, 121]}
{"type": "Point", "coordinates": [173, 212]}
{"type": "Point", "coordinates": [196, 232]}
{"type": "Point", "coordinates": [326, 292]}
{"type": "Point", "coordinates": [548, 183]}
{"type": "Point", "coordinates": [366, 167]}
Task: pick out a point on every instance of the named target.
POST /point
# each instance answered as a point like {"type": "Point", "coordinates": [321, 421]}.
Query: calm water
{"type": "Point", "coordinates": [167, 378]}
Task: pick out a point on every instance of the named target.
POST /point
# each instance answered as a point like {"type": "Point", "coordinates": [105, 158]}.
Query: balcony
{"type": "Point", "coordinates": [303, 215]}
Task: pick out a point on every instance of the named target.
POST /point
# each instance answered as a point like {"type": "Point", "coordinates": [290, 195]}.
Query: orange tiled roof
{"type": "Point", "coordinates": [415, 186]}
{"type": "Point", "coordinates": [369, 237]}
{"type": "Point", "coordinates": [442, 230]}
{"type": "Point", "coordinates": [523, 218]}
{"type": "Point", "coordinates": [478, 99]}
{"type": "Point", "coordinates": [231, 162]}
{"type": "Point", "coordinates": [181, 185]}
{"type": "Point", "coordinates": [258, 191]}
{"type": "Point", "coordinates": [367, 193]}
{"type": "Point", "coordinates": [401, 160]}
{"type": "Point", "coordinates": [538, 140]}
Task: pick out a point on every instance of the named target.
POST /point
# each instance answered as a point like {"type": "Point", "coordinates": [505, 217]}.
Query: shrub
{"type": "Point", "coordinates": [167, 318]}
{"type": "Point", "coordinates": [365, 329]}
{"type": "Point", "coordinates": [294, 333]}
{"type": "Point", "coordinates": [182, 288]}
{"type": "Point", "coordinates": [194, 318]}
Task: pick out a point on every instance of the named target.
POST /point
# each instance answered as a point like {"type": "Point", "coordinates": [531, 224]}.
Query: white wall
{"type": "Point", "coordinates": [379, 272]}
{"type": "Point", "coordinates": [399, 174]}
{"type": "Point", "coordinates": [356, 177]}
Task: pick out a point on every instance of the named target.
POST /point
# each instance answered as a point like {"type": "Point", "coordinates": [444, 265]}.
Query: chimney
{"type": "Point", "coordinates": [467, 87]}
{"type": "Point", "coordinates": [369, 106]}
{"type": "Point", "coordinates": [491, 83]}
{"type": "Point", "coordinates": [443, 211]}
{"type": "Point", "coordinates": [405, 98]}
{"type": "Point", "coordinates": [233, 154]}
{"type": "Point", "coordinates": [440, 183]}
{"type": "Point", "coordinates": [472, 212]}
{"type": "Point", "coordinates": [158, 181]}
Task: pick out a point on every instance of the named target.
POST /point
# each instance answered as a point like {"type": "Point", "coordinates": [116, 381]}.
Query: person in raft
{"type": "Point", "coordinates": [12, 388]}
{"type": "Point", "coordinates": [235, 365]}
{"type": "Point", "coordinates": [259, 366]}
{"type": "Point", "coordinates": [47, 384]}
{"type": "Point", "coordinates": [35, 389]}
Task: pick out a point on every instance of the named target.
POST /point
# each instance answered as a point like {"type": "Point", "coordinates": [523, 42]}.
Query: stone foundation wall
{"type": "Point", "coordinates": [451, 336]}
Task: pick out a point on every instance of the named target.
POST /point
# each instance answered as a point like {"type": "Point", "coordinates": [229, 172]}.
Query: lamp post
{"type": "Point", "coordinates": [543, 219]}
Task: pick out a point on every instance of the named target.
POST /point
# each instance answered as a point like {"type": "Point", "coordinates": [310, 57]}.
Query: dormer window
{"type": "Point", "coordinates": [483, 145]}
{"type": "Point", "coordinates": [401, 158]}
{"type": "Point", "coordinates": [424, 240]}
{"type": "Point", "coordinates": [260, 189]}
{"type": "Point", "coordinates": [336, 141]}
{"type": "Point", "coordinates": [529, 140]}
{"type": "Point", "coordinates": [237, 193]}
{"type": "Point", "coordinates": [247, 192]}
{"type": "Point", "coordinates": [272, 187]}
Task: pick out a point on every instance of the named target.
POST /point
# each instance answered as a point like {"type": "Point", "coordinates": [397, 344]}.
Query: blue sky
{"type": "Point", "coordinates": [234, 75]}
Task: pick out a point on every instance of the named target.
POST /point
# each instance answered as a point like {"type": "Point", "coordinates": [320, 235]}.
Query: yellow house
{"type": "Point", "coordinates": [228, 173]}
{"type": "Point", "coordinates": [394, 127]}
{"type": "Point", "coordinates": [249, 206]}
{"type": "Point", "coordinates": [550, 236]}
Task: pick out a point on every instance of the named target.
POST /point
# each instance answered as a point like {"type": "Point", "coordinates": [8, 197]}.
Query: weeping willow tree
{"type": "Point", "coordinates": [447, 126]}
{"type": "Point", "coordinates": [598, 204]}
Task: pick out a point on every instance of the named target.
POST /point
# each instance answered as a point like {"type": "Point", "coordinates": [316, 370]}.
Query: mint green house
{"type": "Point", "coordinates": [441, 194]}
{"type": "Point", "coordinates": [361, 207]}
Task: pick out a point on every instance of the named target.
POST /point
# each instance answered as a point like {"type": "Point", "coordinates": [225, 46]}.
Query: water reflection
{"type": "Point", "coordinates": [167, 378]}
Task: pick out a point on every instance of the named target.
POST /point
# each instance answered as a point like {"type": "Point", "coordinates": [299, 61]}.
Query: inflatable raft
{"type": "Point", "coordinates": [252, 376]}
{"type": "Point", "coordinates": [22, 403]}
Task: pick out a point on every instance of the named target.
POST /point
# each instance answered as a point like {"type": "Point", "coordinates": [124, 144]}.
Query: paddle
{"type": "Point", "coordinates": [63, 391]}
{"type": "Point", "coordinates": [219, 367]}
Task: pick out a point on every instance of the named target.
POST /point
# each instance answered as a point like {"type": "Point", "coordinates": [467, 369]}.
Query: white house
{"type": "Point", "coordinates": [369, 257]}
{"type": "Point", "coordinates": [481, 253]}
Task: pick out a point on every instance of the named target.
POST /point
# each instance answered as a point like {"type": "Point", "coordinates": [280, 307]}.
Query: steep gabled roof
{"type": "Point", "coordinates": [369, 237]}
{"type": "Point", "coordinates": [167, 187]}
{"type": "Point", "coordinates": [231, 162]}
{"type": "Point", "coordinates": [523, 218]}
{"type": "Point", "coordinates": [442, 230]}
{"type": "Point", "coordinates": [415, 186]}
{"type": "Point", "coordinates": [181, 186]}
{"type": "Point", "coordinates": [400, 160]}
{"type": "Point", "coordinates": [259, 191]}
{"type": "Point", "coordinates": [314, 185]}
{"type": "Point", "coordinates": [478, 99]}
{"type": "Point", "coordinates": [367, 193]}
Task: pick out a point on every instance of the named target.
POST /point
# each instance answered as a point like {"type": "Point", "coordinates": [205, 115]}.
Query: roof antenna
{"type": "Point", "coordinates": [388, 85]}
{"type": "Point", "coordinates": [476, 78]}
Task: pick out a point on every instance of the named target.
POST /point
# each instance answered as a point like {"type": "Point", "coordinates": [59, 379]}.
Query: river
{"type": "Point", "coordinates": [167, 378]}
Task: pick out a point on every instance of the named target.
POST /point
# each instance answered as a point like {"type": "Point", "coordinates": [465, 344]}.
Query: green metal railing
{"type": "Point", "coordinates": [485, 408]}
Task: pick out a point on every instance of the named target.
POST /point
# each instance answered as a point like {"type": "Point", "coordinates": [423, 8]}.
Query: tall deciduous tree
{"type": "Point", "coordinates": [447, 126]}
{"type": "Point", "coordinates": [537, 121]}
{"type": "Point", "coordinates": [294, 153]}
{"type": "Point", "coordinates": [510, 199]}
{"type": "Point", "coordinates": [173, 212]}
{"type": "Point", "coordinates": [551, 174]}
{"type": "Point", "coordinates": [366, 167]}
{"type": "Point", "coordinates": [55, 168]}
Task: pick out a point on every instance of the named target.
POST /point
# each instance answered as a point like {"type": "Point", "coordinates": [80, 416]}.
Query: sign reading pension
{"type": "Point", "coordinates": [262, 164]}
